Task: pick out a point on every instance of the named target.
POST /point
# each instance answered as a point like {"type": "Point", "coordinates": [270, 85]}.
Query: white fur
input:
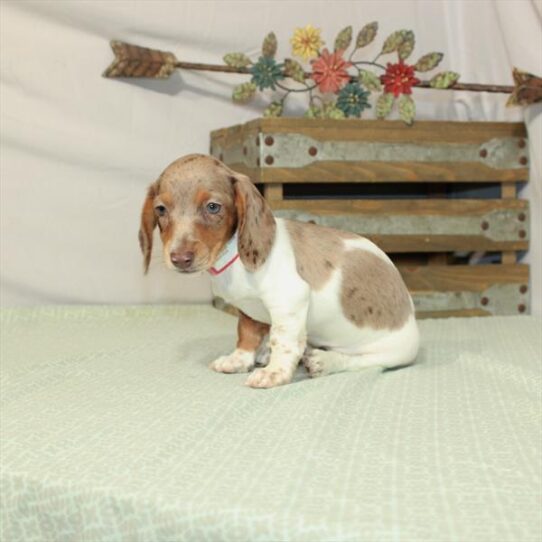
{"type": "Point", "coordinates": [276, 294]}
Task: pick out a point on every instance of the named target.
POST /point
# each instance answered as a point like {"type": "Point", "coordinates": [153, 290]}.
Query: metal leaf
{"type": "Point", "coordinates": [273, 110]}
{"type": "Point", "coordinates": [392, 42]}
{"type": "Point", "coordinates": [384, 105]}
{"type": "Point", "coordinates": [269, 46]}
{"type": "Point", "coordinates": [243, 93]}
{"type": "Point", "coordinates": [428, 62]}
{"type": "Point", "coordinates": [344, 38]}
{"type": "Point", "coordinates": [369, 80]}
{"type": "Point", "coordinates": [328, 110]}
{"type": "Point", "coordinates": [367, 34]}
{"type": "Point", "coordinates": [293, 69]}
{"type": "Point", "coordinates": [444, 80]}
{"type": "Point", "coordinates": [237, 60]}
{"type": "Point", "coordinates": [406, 47]}
{"type": "Point", "coordinates": [407, 109]}
{"type": "Point", "coordinates": [134, 61]}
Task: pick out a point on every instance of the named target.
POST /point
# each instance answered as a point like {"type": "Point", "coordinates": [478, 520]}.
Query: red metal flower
{"type": "Point", "coordinates": [329, 71]}
{"type": "Point", "coordinates": [399, 79]}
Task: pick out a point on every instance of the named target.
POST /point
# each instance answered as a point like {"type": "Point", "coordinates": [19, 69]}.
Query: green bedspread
{"type": "Point", "coordinates": [113, 428]}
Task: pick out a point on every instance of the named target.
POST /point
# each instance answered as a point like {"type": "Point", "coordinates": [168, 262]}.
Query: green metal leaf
{"type": "Point", "coordinates": [344, 38]}
{"type": "Point", "coordinates": [384, 105]}
{"type": "Point", "coordinates": [444, 80]}
{"type": "Point", "coordinates": [243, 93]}
{"type": "Point", "coordinates": [269, 46]}
{"type": "Point", "coordinates": [370, 80]}
{"type": "Point", "coordinates": [428, 62]}
{"type": "Point", "coordinates": [293, 69]}
{"type": "Point", "coordinates": [407, 109]}
{"type": "Point", "coordinates": [328, 110]}
{"type": "Point", "coordinates": [273, 110]}
{"type": "Point", "coordinates": [392, 42]}
{"type": "Point", "coordinates": [367, 34]}
{"type": "Point", "coordinates": [237, 60]}
{"type": "Point", "coordinates": [407, 45]}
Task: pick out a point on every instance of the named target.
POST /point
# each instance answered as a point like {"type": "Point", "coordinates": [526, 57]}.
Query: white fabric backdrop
{"type": "Point", "coordinates": [78, 150]}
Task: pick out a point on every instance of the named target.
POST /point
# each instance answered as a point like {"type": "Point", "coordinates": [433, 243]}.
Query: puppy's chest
{"type": "Point", "coordinates": [236, 289]}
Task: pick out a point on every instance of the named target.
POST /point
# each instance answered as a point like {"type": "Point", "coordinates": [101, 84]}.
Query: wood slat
{"type": "Point", "coordinates": [461, 313]}
{"type": "Point", "coordinates": [379, 130]}
{"type": "Point", "coordinates": [416, 207]}
{"type": "Point", "coordinates": [463, 278]}
{"type": "Point", "coordinates": [386, 172]}
{"type": "Point", "coordinates": [443, 243]}
{"type": "Point", "coordinates": [273, 193]}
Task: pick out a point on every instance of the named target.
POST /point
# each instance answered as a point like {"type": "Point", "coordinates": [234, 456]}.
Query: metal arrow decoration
{"type": "Point", "coordinates": [142, 62]}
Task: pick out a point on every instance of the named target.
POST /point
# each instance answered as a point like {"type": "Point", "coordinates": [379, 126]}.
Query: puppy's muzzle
{"type": "Point", "coordinates": [182, 260]}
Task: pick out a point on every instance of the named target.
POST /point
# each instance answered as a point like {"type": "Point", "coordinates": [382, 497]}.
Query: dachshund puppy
{"type": "Point", "coordinates": [329, 298]}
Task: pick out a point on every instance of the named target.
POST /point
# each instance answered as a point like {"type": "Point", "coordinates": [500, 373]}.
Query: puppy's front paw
{"type": "Point", "coordinates": [239, 361]}
{"type": "Point", "coordinates": [267, 378]}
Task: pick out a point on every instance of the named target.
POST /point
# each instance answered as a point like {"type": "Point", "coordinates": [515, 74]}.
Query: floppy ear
{"type": "Point", "coordinates": [256, 224]}
{"type": "Point", "coordinates": [148, 223]}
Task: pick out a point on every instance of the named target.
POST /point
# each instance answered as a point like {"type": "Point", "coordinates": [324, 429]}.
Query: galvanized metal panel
{"type": "Point", "coordinates": [498, 225]}
{"type": "Point", "coordinates": [296, 150]}
{"type": "Point", "coordinates": [499, 300]}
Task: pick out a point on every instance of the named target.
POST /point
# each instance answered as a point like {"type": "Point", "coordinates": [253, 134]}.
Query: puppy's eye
{"type": "Point", "coordinates": [213, 207]}
{"type": "Point", "coordinates": [160, 210]}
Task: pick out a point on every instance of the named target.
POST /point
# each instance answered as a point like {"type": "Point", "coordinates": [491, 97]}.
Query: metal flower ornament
{"type": "Point", "coordinates": [339, 82]}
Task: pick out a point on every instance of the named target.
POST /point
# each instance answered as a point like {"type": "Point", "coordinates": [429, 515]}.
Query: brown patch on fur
{"type": "Point", "coordinates": [372, 292]}
{"type": "Point", "coordinates": [318, 250]}
{"type": "Point", "coordinates": [250, 333]}
{"type": "Point", "coordinates": [256, 224]}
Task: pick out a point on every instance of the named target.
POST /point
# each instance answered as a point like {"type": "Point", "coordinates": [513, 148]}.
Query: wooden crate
{"type": "Point", "coordinates": [404, 188]}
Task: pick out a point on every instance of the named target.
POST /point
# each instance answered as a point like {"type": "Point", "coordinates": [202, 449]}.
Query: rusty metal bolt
{"type": "Point", "coordinates": [523, 289]}
{"type": "Point", "coordinates": [523, 160]}
{"type": "Point", "coordinates": [483, 153]}
{"type": "Point", "coordinates": [484, 301]}
{"type": "Point", "coordinates": [269, 160]}
{"type": "Point", "coordinates": [522, 234]}
{"type": "Point", "coordinates": [522, 308]}
{"type": "Point", "coordinates": [484, 225]}
{"type": "Point", "coordinates": [313, 151]}
{"type": "Point", "coordinates": [269, 141]}
{"type": "Point", "coordinates": [522, 217]}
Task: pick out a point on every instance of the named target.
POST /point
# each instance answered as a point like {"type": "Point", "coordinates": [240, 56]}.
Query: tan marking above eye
{"type": "Point", "coordinates": [201, 197]}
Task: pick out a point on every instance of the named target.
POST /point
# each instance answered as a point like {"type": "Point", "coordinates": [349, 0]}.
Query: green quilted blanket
{"type": "Point", "coordinates": [114, 429]}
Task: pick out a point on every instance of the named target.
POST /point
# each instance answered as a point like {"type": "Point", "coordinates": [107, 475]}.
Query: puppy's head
{"type": "Point", "coordinates": [198, 203]}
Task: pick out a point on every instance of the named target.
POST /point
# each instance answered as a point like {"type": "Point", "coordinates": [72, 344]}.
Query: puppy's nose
{"type": "Point", "coordinates": [182, 260]}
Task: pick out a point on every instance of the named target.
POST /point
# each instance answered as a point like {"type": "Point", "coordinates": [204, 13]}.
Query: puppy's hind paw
{"type": "Point", "coordinates": [317, 362]}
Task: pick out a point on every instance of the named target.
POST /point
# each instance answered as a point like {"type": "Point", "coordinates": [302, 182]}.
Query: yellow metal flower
{"type": "Point", "coordinates": [306, 42]}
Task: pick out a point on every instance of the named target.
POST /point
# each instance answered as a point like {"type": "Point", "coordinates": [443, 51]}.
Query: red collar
{"type": "Point", "coordinates": [215, 271]}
